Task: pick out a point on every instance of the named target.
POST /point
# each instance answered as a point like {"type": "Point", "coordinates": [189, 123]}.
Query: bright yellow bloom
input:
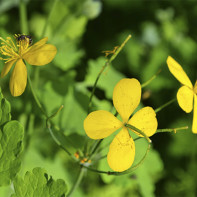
{"type": "Point", "coordinates": [38, 54]}
{"type": "Point", "coordinates": [186, 93]}
{"type": "Point", "coordinates": [100, 124]}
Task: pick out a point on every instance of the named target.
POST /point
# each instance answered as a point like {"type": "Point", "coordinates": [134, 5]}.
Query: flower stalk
{"type": "Point", "coordinates": [165, 105]}
{"type": "Point", "coordinates": [108, 62]}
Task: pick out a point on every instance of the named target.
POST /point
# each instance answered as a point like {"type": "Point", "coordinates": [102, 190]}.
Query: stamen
{"type": "Point", "coordinates": [12, 43]}
{"type": "Point", "coordinates": [8, 49]}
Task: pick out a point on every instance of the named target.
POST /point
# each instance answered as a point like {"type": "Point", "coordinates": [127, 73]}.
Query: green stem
{"type": "Point", "coordinates": [108, 62]}
{"type": "Point", "coordinates": [95, 147]}
{"type": "Point", "coordinates": [23, 17]}
{"type": "Point", "coordinates": [48, 124]}
{"type": "Point", "coordinates": [120, 173]}
{"type": "Point", "coordinates": [165, 105]}
{"type": "Point", "coordinates": [78, 181]}
{"type": "Point", "coordinates": [36, 99]}
{"type": "Point", "coordinates": [150, 80]}
{"type": "Point", "coordinates": [171, 130]}
{"type": "Point", "coordinates": [138, 131]}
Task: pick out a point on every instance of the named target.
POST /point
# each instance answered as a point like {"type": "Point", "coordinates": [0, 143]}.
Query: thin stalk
{"type": "Point", "coordinates": [48, 119]}
{"type": "Point", "coordinates": [150, 80]}
{"type": "Point", "coordinates": [94, 148]}
{"type": "Point", "coordinates": [165, 105]}
{"type": "Point", "coordinates": [138, 131]}
{"type": "Point", "coordinates": [58, 143]}
{"type": "Point", "coordinates": [108, 62]}
{"type": "Point", "coordinates": [171, 130]}
{"type": "Point", "coordinates": [23, 17]}
{"type": "Point", "coordinates": [36, 98]}
{"type": "Point", "coordinates": [120, 173]}
{"type": "Point", "coordinates": [78, 181]}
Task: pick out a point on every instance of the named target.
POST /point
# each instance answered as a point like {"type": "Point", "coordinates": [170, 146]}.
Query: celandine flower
{"type": "Point", "coordinates": [187, 94]}
{"type": "Point", "coordinates": [100, 124]}
{"type": "Point", "coordinates": [38, 54]}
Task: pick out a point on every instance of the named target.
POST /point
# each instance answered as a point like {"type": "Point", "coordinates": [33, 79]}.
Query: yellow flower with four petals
{"type": "Point", "coordinates": [100, 124]}
{"type": "Point", "coordinates": [187, 94]}
{"type": "Point", "coordinates": [38, 54]}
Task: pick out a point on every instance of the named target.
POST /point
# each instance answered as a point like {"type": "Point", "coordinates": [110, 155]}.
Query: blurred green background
{"type": "Point", "coordinates": [81, 30]}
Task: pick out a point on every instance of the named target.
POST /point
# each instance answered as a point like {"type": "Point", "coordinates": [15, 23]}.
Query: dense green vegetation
{"type": "Point", "coordinates": [81, 31]}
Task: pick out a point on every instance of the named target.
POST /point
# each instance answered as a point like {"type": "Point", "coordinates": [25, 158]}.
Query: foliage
{"type": "Point", "coordinates": [33, 145]}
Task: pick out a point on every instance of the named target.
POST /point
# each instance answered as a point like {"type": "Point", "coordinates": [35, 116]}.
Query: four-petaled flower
{"type": "Point", "coordinates": [187, 94]}
{"type": "Point", "coordinates": [100, 124]}
{"type": "Point", "coordinates": [38, 54]}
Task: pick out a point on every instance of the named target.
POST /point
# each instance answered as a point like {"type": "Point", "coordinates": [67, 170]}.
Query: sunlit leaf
{"type": "Point", "coordinates": [38, 183]}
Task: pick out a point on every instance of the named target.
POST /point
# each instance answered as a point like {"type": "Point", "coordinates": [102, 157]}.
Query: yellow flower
{"type": "Point", "coordinates": [187, 94]}
{"type": "Point", "coordinates": [100, 124]}
{"type": "Point", "coordinates": [38, 54]}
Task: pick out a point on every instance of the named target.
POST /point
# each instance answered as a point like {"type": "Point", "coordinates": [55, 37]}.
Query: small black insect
{"type": "Point", "coordinates": [20, 37]}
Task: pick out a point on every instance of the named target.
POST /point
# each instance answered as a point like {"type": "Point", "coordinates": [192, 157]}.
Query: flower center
{"type": "Point", "coordinates": [12, 51]}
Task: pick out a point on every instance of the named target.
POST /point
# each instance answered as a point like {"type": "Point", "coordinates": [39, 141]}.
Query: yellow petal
{"type": "Point", "coordinates": [185, 98]}
{"type": "Point", "coordinates": [7, 68]}
{"type": "Point", "coordinates": [18, 78]}
{"type": "Point", "coordinates": [178, 72]}
{"type": "Point", "coordinates": [194, 125]}
{"type": "Point", "coordinates": [195, 87]}
{"type": "Point", "coordinates": [39, 43]}
{"type": "Point", "coordinates": [41, 55]}
{"type": "Point", "coordinates": [100, 124]}
{"type": "Point", "coordinates": [145, 120]}
{"type": "Point", "coordinates": [126, 97]}
{"type": "Point", "coordinates": [121, 152]}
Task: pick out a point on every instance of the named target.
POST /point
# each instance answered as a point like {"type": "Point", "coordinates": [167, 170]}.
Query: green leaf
{"type": "Point", "coordinates": [67, 50]}
{"type": "Point", "coordinates": [37, 183]}
{"type": "Point", "coordinates": [150, 171]}
{"type": "Point", "coordinates": [64, 92]}
{"type": "Point", "coordinates": [11, 136]}
{"type": "Point", "coordinates": [108, 79]}
{"type": "Point", "coordinates": [5, 109]}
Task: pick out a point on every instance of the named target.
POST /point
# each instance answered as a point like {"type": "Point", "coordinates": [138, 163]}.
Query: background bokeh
{"type": "Point", "coordinates": [81, 30]}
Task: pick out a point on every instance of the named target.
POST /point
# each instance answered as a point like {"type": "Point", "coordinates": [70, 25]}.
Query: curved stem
{"type": "Point", "coordinates": [165, 105]}
{"type": "Point", "coordinates": [108, 62]}
{"type": "Point", "coordinates": [35, 98]}
{"type": "Point", "coordinates": [138, 131]}
{"type": "Point", "coordinates": [95, 147]}
{"type": "Point", "coordinates": [150, 80]}
{"type": "Point", "coordinates": [48, 119]}
{"type": "Point", "coordinates": [78, 181]}
{"type": "Point", "coordinates": [124, 172]}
